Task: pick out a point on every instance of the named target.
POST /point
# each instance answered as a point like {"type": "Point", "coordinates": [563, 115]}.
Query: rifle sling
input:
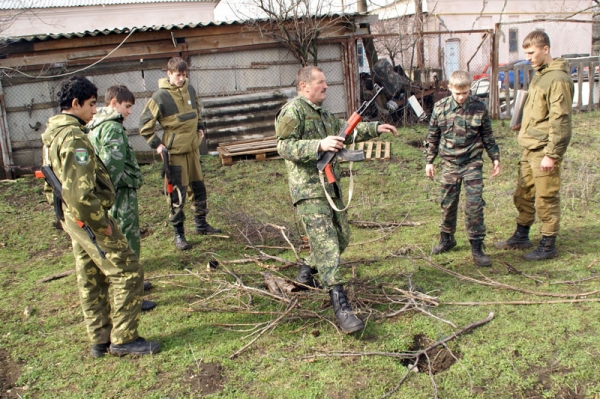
{"type": "Point", "coordinates": [350, 189]}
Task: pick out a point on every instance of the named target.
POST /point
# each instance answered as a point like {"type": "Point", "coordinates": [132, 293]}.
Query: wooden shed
{"type": "Point", "coordinates": [242, 77]}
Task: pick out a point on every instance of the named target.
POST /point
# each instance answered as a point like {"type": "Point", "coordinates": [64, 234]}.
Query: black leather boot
{"type": "Point", "coordinates": [137, 347]}
{"type": "Point", "coordinates": [180, 241]}
{"type": "Point", "coordinates": [305, 277]}
{"type": "Point", "coordinates": [519, 239]}
{"type": "Point", "coordinates": [202, 227]}
{"type": "Point", "coordinates": [147, 305]}
{"type": "Point", "coordinates": [480, 258]}
{"type": "Point", "coordinates": [99, 350]}
{"type": "Point", "coordinates": [346, 319]}
{"type": "Point", "coordinates": [447, 242]}
{"type": "Point", "coordinates": [546, 249]}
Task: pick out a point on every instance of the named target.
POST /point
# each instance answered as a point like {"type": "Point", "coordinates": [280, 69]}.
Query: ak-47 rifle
{"type": "Point", "coordinates": [324, 163]}
{"type": "Point", "coordinates": [47, 173]}
{"type": "Point", "coordinates": [166, 171]}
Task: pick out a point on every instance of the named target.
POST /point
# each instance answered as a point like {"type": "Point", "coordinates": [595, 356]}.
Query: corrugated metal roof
{"type": "Point", "coordinates": [71, 35]}
{"type": "Point", "coordinates": [34, 4]}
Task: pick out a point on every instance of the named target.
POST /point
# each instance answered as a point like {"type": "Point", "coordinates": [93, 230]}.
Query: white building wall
{"type": "Point", "coordinates": [90, 18]}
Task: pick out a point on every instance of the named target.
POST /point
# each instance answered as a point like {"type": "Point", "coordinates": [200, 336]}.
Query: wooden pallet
{"type": "Point", "coordinates": [373, 149]}
{"type": "Point", "coordinates": [248, 150]}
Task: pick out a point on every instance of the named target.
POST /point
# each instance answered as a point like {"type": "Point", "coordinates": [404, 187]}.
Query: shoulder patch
{"type": "Point", "coordinates": [81, 156]}
{"type": "Point", "coordinates": [114, 145]}
{"type": "Point", "coordinates": [285, 126]}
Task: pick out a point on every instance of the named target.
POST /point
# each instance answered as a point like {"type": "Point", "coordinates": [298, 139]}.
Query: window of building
{"type": "Point", "coordinates": [513, 40]}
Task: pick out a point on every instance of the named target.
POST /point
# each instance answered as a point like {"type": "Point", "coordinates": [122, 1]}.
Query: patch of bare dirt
{"type": "Point", "coordinates": [205, 379]}
{"type": "Point", "coordinates": [544, 374]}
{"type": "Point", "coordinates": [437, 360]}
{"type": "Point", "coordinates": [9, 374]}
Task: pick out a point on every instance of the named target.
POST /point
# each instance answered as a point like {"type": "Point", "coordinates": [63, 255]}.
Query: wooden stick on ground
{"type": "Point", "coordinates": [271, 327]}
{"type": "Point", "coordinates": [56, 276]}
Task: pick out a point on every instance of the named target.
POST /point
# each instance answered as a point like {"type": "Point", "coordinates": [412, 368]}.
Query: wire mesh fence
{"type": "Point", "coordinates": [30, 102]}
{"type": "Point", "coordinates": [443, 52]}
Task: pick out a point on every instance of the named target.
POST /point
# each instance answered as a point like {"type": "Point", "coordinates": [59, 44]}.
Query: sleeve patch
{"type": "Point", "coordinates": [286, 125]}
{"type": "Point", "coordinates": [114, 145]}
{"type": "Point", "coordinates": [81, 156]}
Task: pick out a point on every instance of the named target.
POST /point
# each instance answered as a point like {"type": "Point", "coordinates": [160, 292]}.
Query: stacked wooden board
{"type": "Point", "coordinates": [248, 150]}
{"type": "Point", "coordinates": [265, 149]}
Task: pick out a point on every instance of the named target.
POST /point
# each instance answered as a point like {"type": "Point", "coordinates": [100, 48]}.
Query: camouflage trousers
{"type": "Point", "coordinates": [186, 174]}
{"type": "Point", "coordinates": [121, 269]}
{"type": "Point", "coordinates": [328, 234]}
{"type": "Point", "coordinates": [125, 212]}
{"type": "Point", "coordinates": [538, 192]}
{"type": "Point", "coordinates": [452, 180]}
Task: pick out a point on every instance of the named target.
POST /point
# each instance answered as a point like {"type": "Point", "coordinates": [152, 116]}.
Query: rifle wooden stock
{"type": "Point", "coordinates": [167, 171]}
{"type": "Point", "coordinates": [47, 173]}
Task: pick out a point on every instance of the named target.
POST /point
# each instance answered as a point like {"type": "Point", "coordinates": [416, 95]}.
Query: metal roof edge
{"type": "Point", "coordinates": [106, 32]}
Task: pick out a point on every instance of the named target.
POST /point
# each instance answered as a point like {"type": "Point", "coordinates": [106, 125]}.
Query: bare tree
{"type": "Point", "coordinates": [399, 38]}
{"type": "Point", "coordinates": [9, 15]}
{"type": "Point", "coordinates": [395, 44]}
{"type": "Point", "coordinates": [296, 24]}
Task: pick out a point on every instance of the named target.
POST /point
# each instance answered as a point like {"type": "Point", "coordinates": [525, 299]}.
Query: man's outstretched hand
{"type": "Point", "coordinates": [385, 128]}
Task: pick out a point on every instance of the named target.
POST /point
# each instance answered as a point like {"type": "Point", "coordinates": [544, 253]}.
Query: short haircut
{"type": "Point", "coordinates": [177, 64]}
{"type": "Point", "coordinates": [460, 79]}
{"type": "Point", "coordinates": [75, 87]}
{"type": "Point", "coordinates": [305, 75]}
{"type": "Point", "coordinates": [120, 93]}
{"type": "Point", "coordinates": [537, 38]}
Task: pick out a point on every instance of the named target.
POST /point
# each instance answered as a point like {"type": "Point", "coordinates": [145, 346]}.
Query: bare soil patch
{"type": "Point", "coordinates": [9, 374]}
{"type": "Point", "coordinates": [205, 379]}
{"type": "Point", "coordinates": [437, 360]}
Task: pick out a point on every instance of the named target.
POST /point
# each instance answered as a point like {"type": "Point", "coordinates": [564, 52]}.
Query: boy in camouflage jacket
{"type": "Point", "coordinates": [109, 138]}
{"type": "Point", "coordinates": [459, 131]}
{"type": "Point", "coordinates": [88, 194]}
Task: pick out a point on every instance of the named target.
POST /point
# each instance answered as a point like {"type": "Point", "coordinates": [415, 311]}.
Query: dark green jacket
{"type": "Point", "coordinates": [300, 125]}
{"type": "Point", "coordinates": [459, 133]}
{"type": "Point", "coordinates": [109, 138]}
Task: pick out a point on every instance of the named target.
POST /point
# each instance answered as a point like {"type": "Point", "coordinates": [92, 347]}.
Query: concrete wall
{"type": "Point", "coordinates": [565, 37]}
{"type": "Point", "coordinates": [90, 18]}
{"type": "Point", "coordinates": [452, 16]}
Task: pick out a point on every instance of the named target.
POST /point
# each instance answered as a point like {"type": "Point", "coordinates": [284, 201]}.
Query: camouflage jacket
{"type": "Point", "coordinates": [546, 119]}
{"type": "Point", "coordinates": [300, 125]}
{"type": "Point", "coordinates": [87, 188]}
{"type": "Point", "coordinates": [109, 138]}
{"type": "Point", "coordinates": [177, 110]}
{"type": "Point", "coordinates": [459, 133]}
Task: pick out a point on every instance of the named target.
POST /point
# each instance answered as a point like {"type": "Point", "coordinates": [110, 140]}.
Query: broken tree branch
{"type": "Point", "coordinates": [271, 327]}
{"type": "Point", "coordinates": [491, 283]}
{"type": "Point", "coordinates": [56, 276]}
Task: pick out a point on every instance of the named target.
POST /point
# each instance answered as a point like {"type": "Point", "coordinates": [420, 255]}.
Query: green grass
{"type": "Point", "coordinates": [526, 351]}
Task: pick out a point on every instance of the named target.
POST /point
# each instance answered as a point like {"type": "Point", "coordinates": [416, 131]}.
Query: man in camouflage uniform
{"type": "Point", "coordinates": [459, 131]}
{"type": "Point", "coordinates": [176, 108]}
{"type": "Point", "coordinates": [545, 133]}
{"type": "Point", "coordinates": [109, 138]}
{"type": "Point", "coordinates": [305, 130]}
{"type": "Point", "coordinates": [88, 195]}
